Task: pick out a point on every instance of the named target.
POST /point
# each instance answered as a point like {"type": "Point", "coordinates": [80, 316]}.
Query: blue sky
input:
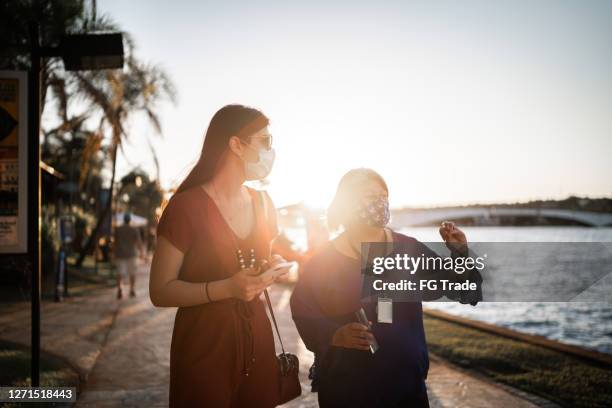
{"type": "Point", "coordinates": [452, 102]}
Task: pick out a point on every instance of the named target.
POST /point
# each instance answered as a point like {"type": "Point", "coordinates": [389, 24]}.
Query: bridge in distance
{"type": "Point", "coordinates": [491, 215]}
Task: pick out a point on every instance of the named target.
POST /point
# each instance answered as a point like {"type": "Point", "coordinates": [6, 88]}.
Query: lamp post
{"type": "Point", "coordinates": [79, 52]}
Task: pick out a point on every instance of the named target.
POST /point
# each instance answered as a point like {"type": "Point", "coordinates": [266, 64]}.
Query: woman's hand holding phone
{"type": "Point", "coordinates": [245, 285]}
{"type": "Point", "coordinates": [276, 267]}
{"type": "Point", "coordinates": [248, 283]}
{"type": "Point", "coordinates": [353, 335]}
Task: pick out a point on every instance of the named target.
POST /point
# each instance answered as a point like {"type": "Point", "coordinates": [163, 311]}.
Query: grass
{"type": "Point", "coordinates": [558, 377]}
{"type": "Point", "coordinates": [15, 363]}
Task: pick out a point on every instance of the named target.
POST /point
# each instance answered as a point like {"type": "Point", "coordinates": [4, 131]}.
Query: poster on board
{"type": "Point", "coordinates": [13, 161]}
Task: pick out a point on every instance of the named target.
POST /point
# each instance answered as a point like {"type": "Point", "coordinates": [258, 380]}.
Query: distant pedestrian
{"type": "Point", "coordinates": [127, 243]}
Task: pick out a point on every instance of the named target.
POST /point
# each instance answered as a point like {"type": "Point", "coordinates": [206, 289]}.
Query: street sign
{"type": "Point", "coordinates": [13, 162]}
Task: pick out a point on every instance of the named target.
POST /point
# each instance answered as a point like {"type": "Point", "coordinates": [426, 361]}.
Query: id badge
{"type": "Point", "coordinates": [385, 310]}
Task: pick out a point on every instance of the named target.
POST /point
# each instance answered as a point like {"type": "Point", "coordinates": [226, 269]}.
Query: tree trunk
{"type": "Point", "coordinates": [93, 238]}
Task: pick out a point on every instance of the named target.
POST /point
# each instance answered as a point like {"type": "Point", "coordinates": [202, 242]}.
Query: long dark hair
{"type": "Point", "coordinates": [230, 120]}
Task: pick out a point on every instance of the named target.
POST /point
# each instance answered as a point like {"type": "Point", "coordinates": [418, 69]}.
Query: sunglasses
{"type": "Point", "coordinates": [267, 140]}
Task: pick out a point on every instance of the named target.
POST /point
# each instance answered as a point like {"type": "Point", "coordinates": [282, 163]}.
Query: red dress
{"type": "Point", "coordinates": [222, 353]}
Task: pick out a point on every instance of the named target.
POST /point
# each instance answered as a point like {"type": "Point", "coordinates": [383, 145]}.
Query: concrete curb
{"type": "Point", "coordinates": [575, 351]}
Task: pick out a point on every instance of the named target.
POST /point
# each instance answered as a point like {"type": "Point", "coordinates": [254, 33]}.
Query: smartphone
{"type": "Point", "coordinates": [279, 269]}
{"type": "Point", "coordinates": [363, 319]}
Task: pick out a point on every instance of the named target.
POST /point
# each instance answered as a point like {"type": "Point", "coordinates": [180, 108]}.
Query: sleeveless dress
{"type": "Point", "coordinates": [222, 353]}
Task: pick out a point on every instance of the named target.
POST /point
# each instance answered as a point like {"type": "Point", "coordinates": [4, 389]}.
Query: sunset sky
{"type": "Point", "coordinates": [452, 102]}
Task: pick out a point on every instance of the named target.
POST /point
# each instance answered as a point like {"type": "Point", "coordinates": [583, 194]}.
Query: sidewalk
{"type": "Point", "coordinates": [122, 350]}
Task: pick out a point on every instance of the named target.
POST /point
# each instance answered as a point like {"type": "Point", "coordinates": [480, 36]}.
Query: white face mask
{"type": "Point", "coordinates": [260, 169]}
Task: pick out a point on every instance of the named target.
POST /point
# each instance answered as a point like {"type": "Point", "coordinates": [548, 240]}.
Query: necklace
{"type": "Point", "coordinates": [242, 261]}
{"type": "Point", "coordinates": [239, 254]}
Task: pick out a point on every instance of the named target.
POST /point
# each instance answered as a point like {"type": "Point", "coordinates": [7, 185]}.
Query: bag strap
{"type": "Point", "coordinates": [274, 319]}
{"type": "Point", "coordinates": [264, 206]}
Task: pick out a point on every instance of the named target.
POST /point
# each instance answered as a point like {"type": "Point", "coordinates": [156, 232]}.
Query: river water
{"type": "Point", "coordinates": [587, 324]}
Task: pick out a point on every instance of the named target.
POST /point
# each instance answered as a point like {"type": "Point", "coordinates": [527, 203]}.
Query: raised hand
{"type": "Point", "coordinates": [453, 237]}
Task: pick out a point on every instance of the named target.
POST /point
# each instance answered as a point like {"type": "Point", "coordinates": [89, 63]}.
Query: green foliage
{"type": "Point", "coordinates": [55, 17]}
{"type": "Point", "coordinates": [91, 108]}
{"type": "Point", "coordinates": [144, 195]}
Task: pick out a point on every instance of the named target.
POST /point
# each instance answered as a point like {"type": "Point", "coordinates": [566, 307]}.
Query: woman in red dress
{"type": "Point", "coordinates": [213, 238]}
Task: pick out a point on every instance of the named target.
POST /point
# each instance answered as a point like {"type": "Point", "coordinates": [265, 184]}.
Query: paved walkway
{"type": "Point", "coordinates": [121, 348]}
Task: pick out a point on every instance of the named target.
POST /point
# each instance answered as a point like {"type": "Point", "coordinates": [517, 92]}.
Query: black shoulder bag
{"type": "Point", "coordinates": [288, 364]}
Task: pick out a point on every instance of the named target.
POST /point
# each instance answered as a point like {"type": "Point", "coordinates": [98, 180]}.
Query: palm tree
{"type": "Point", "coordinates": [55, 18]}
{"type": "Point", "coordinates": [114, 95]}
{"type": "Point", "coordinates": [119, 95]}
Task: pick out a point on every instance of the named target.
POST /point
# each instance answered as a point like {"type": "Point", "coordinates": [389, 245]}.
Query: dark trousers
{"type": "Point", "coordinates": [335, 398]}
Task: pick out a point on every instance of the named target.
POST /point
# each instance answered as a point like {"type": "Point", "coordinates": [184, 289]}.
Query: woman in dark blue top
{"type": "Point", "coordinates": [346, 373]}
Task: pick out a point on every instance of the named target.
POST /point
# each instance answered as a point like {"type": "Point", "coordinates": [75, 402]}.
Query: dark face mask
{"type": "Point", "coordinates": [374, 213]}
